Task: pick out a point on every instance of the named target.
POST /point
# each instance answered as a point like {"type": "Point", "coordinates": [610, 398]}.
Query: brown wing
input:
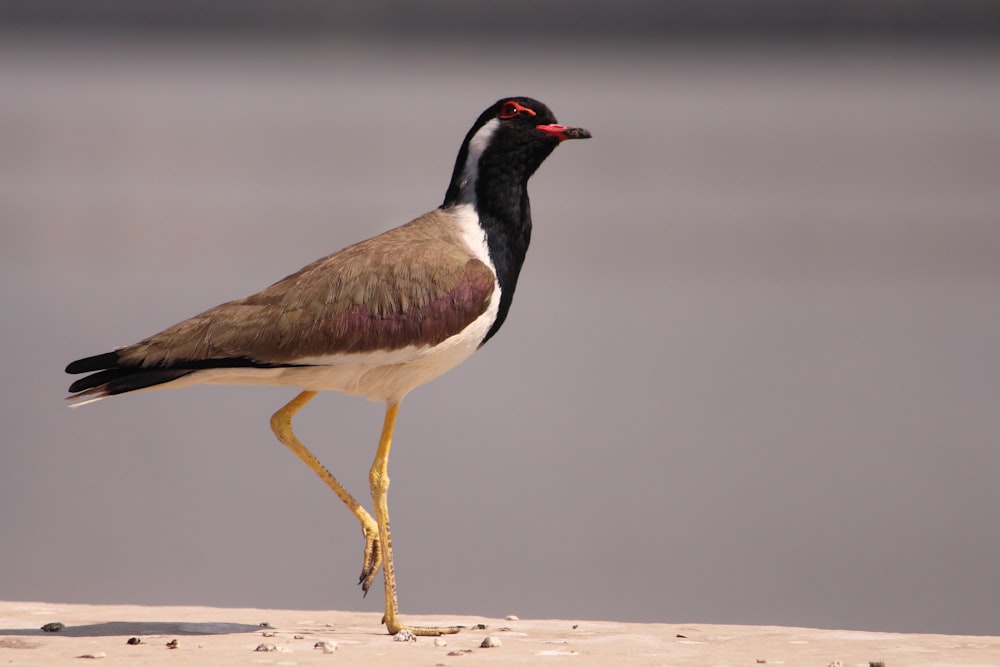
{"type": "Point", "coordinates": [414, 285]}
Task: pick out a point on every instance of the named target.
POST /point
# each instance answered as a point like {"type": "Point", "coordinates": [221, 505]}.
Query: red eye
{"type": "Point", "coordinates": [512, 108]}
{"type": "Point", "coordinates": [509, 110]}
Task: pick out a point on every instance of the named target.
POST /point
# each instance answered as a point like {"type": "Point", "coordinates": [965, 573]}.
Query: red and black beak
{"type": "Point", "coordinates": [562, 133]}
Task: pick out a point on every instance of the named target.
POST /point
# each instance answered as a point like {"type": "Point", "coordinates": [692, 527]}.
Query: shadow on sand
{"type": "Point", "coordinates": [113, 628]}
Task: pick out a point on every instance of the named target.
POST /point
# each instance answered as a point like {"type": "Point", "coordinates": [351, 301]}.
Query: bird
{"type": "Point", "coordinates": [376, 319]}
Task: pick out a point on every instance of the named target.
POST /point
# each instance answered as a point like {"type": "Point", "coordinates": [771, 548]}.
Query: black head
{"type": "Point", "coordinates": [505, 146]}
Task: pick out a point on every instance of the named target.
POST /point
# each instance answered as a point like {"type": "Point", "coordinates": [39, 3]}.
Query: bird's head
{"type": "Point", "coordinates": [505, 145]}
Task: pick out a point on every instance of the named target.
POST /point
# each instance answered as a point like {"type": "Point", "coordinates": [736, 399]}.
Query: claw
{"type": "Point", "coordinates": [372, 561]}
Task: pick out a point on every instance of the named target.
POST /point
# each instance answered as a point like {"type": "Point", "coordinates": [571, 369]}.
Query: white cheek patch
{"type": "Point", "coordinates": [477, 145]}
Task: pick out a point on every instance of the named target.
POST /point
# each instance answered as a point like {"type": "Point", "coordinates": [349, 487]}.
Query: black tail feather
{"type": "Point", "coordinates": [121, 380]}
{"type": "Point", "coordinates": [99, 378]}
{"type": "Point", "coordinates": [97, 362]}
{"type": "Point", "coordinates": [144, 378]}
{"type": "Point", "coordinates": [108, 378]}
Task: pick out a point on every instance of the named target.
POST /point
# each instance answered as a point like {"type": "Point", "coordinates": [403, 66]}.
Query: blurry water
{"type": "Point", "coordinates": [751, 374]}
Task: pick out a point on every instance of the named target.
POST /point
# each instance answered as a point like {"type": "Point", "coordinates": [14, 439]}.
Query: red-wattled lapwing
{"type": "Point", "coordinates": [376, 319]}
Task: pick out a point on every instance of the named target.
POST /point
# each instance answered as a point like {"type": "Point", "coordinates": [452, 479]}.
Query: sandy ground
{"type": "Point", "coordinates": [214, 636]}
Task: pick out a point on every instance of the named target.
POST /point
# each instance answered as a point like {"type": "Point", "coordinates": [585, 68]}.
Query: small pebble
{"type": "Point", "coordinates": [878, 663]}
{"type": "Point", "coordinates": [576, 625]}
{"type": "Point", "coordinates": [173, 643]}
{"type": "Point", "coordinates": [479, 626]}
{"type": "Point", "coordinates": [491, 642]}
{"type": "Point", "coordinates": [439, 642]}
{"type": "Point", "coordinates": [53, 627]}
{"type": "Point", "coordinates": [836, 663]}
{"type": "Point", "coordinates": [267, 634]}
{"type": "Point", "coordinates": [512, 617]}
{"type": "Point", "coordinates": [94, 656]}
{"type": "Point", "coordinates": [266, 648]}
{"type": "Point", "coordinates": [264, 624]}
{"type": "Point", "coordinates": [761, 661]}
{"type": "Point", "coordinates": [326, 646]}
{"type": "Point", "coordinates": [404, 635]}
{"type": "Point", "coordinates": [460, 652]}
{"type": "Point", "coordinates": [132, 641]}
{"type": "Point", "coordinates": [298, 637]}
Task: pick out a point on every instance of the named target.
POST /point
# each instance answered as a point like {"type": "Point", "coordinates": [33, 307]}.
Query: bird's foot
{"type": "Point", "coordinates": [372, 558]}
{"type": "Point", "coordinates": [395, 628]}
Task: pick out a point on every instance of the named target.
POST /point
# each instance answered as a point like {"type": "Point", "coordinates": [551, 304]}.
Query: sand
{"type": "Point", "coordinates": [216, 636]}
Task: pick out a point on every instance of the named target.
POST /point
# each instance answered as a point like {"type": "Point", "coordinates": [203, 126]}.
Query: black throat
{"type": "Point", "coordinates": [508, 233]}
{"type": "Point", "coordinates": [499, 195]}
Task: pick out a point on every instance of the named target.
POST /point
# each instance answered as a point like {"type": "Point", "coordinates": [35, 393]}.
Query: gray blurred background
{"type": "Point", "coordinates": [751, 375]}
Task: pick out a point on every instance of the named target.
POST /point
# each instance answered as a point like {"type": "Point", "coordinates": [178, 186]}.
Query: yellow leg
{"type": "Point", "coordinates": [281, 424]}
{"type": "Point", "coordinates": [378, 478]}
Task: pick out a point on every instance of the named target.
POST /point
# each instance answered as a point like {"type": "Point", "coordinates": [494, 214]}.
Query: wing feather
{"type": "Point", "coordinates": [415, 285]}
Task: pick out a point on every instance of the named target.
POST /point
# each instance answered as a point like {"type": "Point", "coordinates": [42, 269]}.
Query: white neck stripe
{"type": "Point", "coordinates": [477, 145]}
